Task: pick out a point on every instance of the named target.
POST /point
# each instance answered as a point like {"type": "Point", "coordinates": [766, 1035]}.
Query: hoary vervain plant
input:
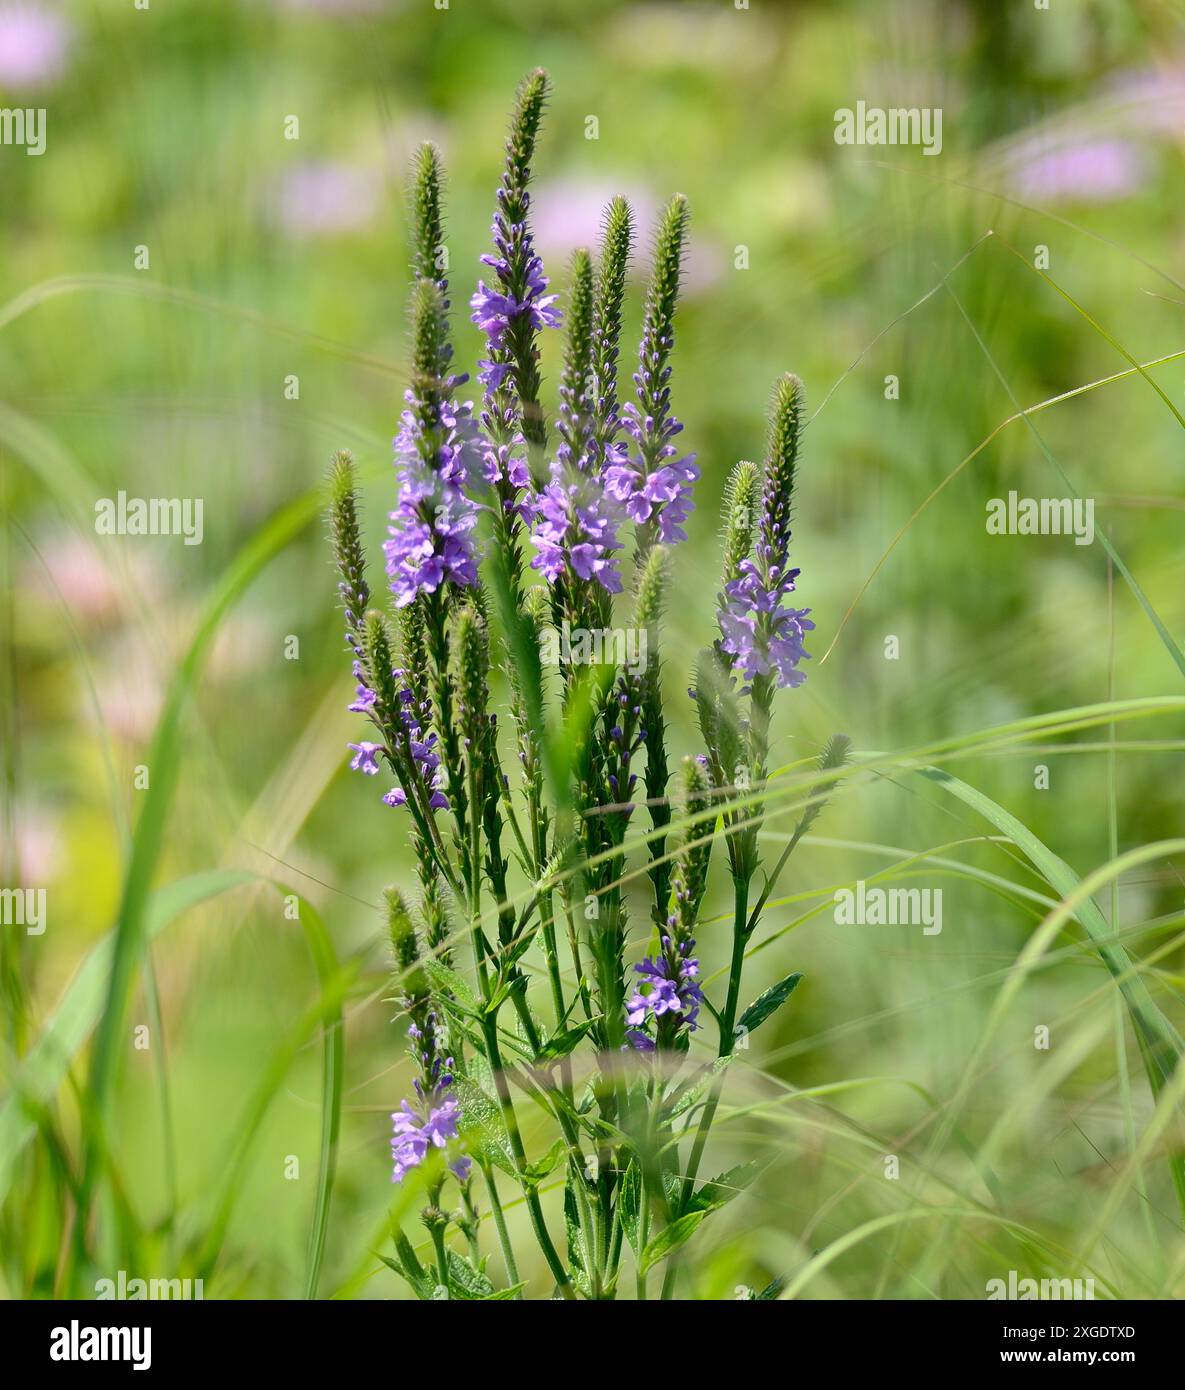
{"type": "Point", "coordinates": [509, 529]}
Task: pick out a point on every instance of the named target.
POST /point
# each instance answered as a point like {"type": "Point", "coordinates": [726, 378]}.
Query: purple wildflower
{"type": "Point", "coordinates": [761, 636]}
{"type": "Point", "coordinates": [429, 541]}
{"type": "Point", "coordinates": [327, 199]}
{"type": "Point", "coordinates": [364, 697]}
{"type": "Point", "coordinates": [432, 1121]}
{"type": "Point", "coordinates": [669, 990]}
{"type": "Point", "coordinates": [365, 757]}
{"type": "Point", "coordinates": [494, 309]}
{"type": "Point", "coordinates": [661, 494]}
{"type": "Point", "coordinates": [575, 531]}
{"type": "Point", "coordinates": [651, 479]}
{"type": "Point", "coordinates": [521, 297]}
{"type": "Point", "coordinates": [420, 748]}
{"type": "Point", "coordinates": [435, 452]}
{"type": "Point", "coordinates": [504, 463]}
{"type": "Point", "coordinates": [1081, 170]}
{"type": "Point", "coordinates": [413, 1134]}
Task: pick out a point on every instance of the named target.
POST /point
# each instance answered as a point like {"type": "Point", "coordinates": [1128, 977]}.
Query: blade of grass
{"type": "Point", "coordinates": [332, 1069]}
{"type": "Point", "coordinates": [164, 762]}
{"type": "Point", "coordinates": [42, 1071]}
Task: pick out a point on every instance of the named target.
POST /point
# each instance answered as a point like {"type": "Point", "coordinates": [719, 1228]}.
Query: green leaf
{"type": "Point", "coordinates": [453, 987]}
{"type": "Point", "coordinates": [551, 1160]}
{"type": "Point", "coordinates": [466, 1282]}
{"type": "Point", "coordinates": [148, 840]}
{"type": "Point", "coordinates": [482, 1119]}
{"type": "Point", "coordinates": [577, 1252]}
{"type": "Point", "coordinates": [563, 1043]}
{"type": "Point", "coordinates": [696, 1090]}
{"type": "Point", "coordinates": [671, 1238]}
{"type": "Point", "coordinates": [409, 1267]}
{"type": "Point", "coordinates": [629, 1204]}
{"type": "Point", "coordinates": [768, 1003]}
{"type": "Point", "coordinates": [728, 1185]}
{"type": "Point", "coordinates": [772, 1290]}
{"type": "Point", "coordinates": [1161, 1046]}
{"type": "Point", "coordinates": [1161, 1040]}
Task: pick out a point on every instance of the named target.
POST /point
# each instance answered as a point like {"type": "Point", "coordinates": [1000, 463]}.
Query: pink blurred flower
{"type": "Point", "coordinates": [1085, 171]}
{"type": "Point", "coordinates": [1148, 99]}
{"type": "Point", "coordinates": [37, 842]}
{"type": "Point", "coordinates": [129, 690]}
{"type": "Point", "coordinates": [33, 44]}
{"type": "Point", "coordinates": [567, 213]}
{"type": "Point", "coordinates": [327, 199]}
{"type": "Point", "coordinates": [347, 7]}
{"type": "Point", "coordinates": [71, 570]}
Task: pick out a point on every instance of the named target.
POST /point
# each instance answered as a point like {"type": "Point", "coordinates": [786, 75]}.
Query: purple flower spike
{"type": "Point", "coordinates": [762, 637]}
{"type": "Point", "coordinates": [429, 541]}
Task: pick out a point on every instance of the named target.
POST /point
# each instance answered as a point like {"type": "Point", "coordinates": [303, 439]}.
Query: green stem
{"type": "Point", "coordinates": [534, 1208]}
{"type": "Point", "coordinates": [500, 1226]}
{"type": "Point", "coordinates": [441, 1252]}
{"type": "Point", "coordinates": [740, 936]}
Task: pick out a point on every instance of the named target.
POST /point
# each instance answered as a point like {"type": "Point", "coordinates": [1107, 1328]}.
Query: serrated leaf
{"type": "Point", "coordinates": [721, 1190]}
{"type": "Point", "coordinates": [577, 1254]}
{"type": "Point", "coordinates": [466, 1282]}
{"type": "Point", "coordinates": [482, 1119]}
{"type": "Point", "coordinates": [769, 1002]}
{"type": "Point", "coordinates": [673, 1236]}
{"type": "Point", "coordinates": [453, 987]}
{"type": "Point", "coordinates": [629, 1204]}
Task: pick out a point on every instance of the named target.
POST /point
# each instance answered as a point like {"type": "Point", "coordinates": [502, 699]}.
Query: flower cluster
{"type": "Point", "coordinates": [576, 529]}
{"type": "Point", "coordinates": [432, 1123]}
{"type": "Point", "coordinates": [650, 479]}
{"type": "Point", "coordinates": [669, 989]}
{"type": "Point", "coordinates": [762, 638]}
{"type": "Point", "coordinates": [494, 309]}
{"type": "Point", "coordinates": [662, 494]}
{"type": "Point", "coordinates": [603, 475]}
{"type": "Point", "coordinates": [417, 749]}
{"type": "Point", "coordinates": [429, 542]}
{"type": "Point", "coordinates": [422, 751]}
